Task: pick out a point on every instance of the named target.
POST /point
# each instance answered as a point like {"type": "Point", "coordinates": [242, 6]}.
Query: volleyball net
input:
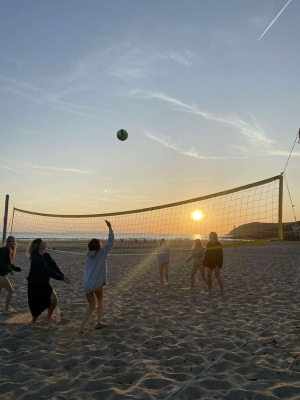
{"type": "Point", "coordinates": [240, 216]}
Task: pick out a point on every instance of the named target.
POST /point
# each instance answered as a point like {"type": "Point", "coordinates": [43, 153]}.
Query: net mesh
{"type": "Point", "coordinates": [240, 215]}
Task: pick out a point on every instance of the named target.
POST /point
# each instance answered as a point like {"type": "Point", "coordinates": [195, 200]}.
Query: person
{"type": "Point", "coordinates": [94, 277]}
{"type": "Point", "coordinates": [41, 296]}
{"type": "Point", "coordinates": [213, 259]}
{"type": "Point", "coordinates": [197, 257]}
{"type": "Point", "coordinates": [163, 259]}
{"type": "Point", "coordinates": [6, 267]}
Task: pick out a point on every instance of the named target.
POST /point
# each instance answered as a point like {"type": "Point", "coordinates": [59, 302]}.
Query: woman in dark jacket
{"type": "Point", "coordinates": [213, 259]}
{"type": "Point", "coordinates": [6, 267]}
{"type": "Point", "coordinates": [42, 268]}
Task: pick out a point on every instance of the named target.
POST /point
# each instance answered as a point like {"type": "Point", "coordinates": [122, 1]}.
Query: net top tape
{"type": "Point", "coordinates": [179, 203]}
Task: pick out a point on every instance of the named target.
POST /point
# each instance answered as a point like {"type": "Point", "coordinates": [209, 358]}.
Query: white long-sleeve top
{"type": "Point", "coordinates": [95, 266]}
{"type": "Point", "coordinates": [163, 254]}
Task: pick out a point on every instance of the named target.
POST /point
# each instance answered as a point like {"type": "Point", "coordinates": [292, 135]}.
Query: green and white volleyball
{"type": "Point", "coordinates": [122, 134]}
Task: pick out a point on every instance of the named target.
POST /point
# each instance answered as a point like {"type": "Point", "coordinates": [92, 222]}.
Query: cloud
{"type": "Point", "coordinates": [187, 179]}
{"type": "Point", "coordinates": [11, 169]}
{"type": "Point", "coordinates": [252, 131]}
{"type": "Point", "coordinates": [29, 91]}
{"type": "Point", "coordinates": [125, 62]}
{"type": "Point", "coordinates": [191, 153]}
{"type": "Point", "coordinates": [75, 170]}
{"type": "Point", "coordinates": [62, 197]}
{"type": "Point", "coordinates": [41, 169]}
{"type": "Point", "coordinates": [282, 153]}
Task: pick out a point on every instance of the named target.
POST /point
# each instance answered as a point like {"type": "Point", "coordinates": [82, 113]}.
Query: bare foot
{"type": "Point", "coordinates": [7, 312]}
{"type": "Point", "coordinates": [100, 325]}
{"type": "Point", "coordinates": [10, 311]}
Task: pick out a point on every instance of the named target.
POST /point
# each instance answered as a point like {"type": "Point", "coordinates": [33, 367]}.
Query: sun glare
{"type": "Point", "coordinates": [197, 215]}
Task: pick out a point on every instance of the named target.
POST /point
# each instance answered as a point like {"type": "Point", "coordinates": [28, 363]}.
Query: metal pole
{"type": "Point", "coordinates": [280, 203]}
{"type": "Point", "coordinates": [5, 219]}
{"type": "Point", "coordinates": [234, 238]}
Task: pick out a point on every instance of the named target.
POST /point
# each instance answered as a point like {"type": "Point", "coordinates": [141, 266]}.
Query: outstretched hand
{"type": "Point", "coordinates": [66, 280]}
{"type": "Point", "coordinates": [108, 224]}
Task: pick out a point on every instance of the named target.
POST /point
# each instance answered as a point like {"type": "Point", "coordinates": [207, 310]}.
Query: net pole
{"type": "Point", "coordinates": [5, 219]}
{"type": "Point", "coordinates": [280, 204]}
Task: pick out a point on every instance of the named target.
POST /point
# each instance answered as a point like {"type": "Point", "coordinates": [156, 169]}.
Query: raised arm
{"type": "Point", "coordinates": [111, 238]}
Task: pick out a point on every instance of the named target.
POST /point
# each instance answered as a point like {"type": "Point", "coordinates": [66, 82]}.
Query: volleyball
{"type": "Point", "coordinates": [122, 134]}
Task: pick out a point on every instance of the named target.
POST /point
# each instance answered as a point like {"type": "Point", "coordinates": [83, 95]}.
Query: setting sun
{"type": "Point", "coordinates": [197, 215]}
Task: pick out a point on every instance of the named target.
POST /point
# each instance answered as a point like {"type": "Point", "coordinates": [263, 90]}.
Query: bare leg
{"type": "Point", "coordinates": [53, 299]}
{"type": "Point", "coordinates": [209, 274]}
{"type": "Point", "coordinates": [92, 306]}
{"type": "Point", "coordinates": [5, 283]}
{"type": "Point", "coordinates": [161, 276]}
{"type": "Point", "coordinates": [194, 270]}
{"type": "Point", "coordinates": [218, 277]}
{"type": "Point", "coordinates": [99, 294]}
{"type": "Point", "coordinates": [202, 272]}
{"type": "Point", "coordinates": [166, 271]}
{"type": "Point", "coordinates": [33, 321]}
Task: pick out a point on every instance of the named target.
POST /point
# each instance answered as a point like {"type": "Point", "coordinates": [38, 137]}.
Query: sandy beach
{"type": "Point", "coordinates": [158, 339]}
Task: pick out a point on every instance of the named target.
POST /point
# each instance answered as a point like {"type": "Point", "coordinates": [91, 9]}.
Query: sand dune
{"type": "Point", "coordinates": [158, 339]}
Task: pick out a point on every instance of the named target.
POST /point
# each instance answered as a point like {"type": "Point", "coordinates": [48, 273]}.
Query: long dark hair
{"type": "Point", "coordinates": [11, 251]}
{"type": "Point", "coordinates": [34, 247]}
{"type": "Point", "coordinates": [94, 244]}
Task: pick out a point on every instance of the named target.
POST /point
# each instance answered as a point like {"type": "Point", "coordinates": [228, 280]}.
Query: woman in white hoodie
{"type": "Point", "coordinates": [94, 277]}
{"type": "Point", "coordinates": [163, 259]}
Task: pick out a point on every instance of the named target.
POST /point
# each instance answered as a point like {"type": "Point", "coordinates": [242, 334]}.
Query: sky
{"type": "Point", "coordinates": [208, 103]}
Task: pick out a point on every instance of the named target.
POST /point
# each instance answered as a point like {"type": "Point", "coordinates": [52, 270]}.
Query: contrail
{"type": "Point", "coordinates": [275, 18]}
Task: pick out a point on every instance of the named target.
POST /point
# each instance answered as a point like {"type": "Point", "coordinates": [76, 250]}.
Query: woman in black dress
{"type": "Point", "coordinates": [213, 259]}
{"type": "Point", "coordinates": [42, 267]}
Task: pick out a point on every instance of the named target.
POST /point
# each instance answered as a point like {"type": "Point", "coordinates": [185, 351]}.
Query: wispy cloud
{"type": "Point", "coordinates": [263, 152]}
{"type": "Point", "coordinates": [278, 15]}
{"type": "Point", "coordinates": [125, 62]}
{"type": "Point", "coordinates": [119, 200]}
{"type": "Point", "coordinates": [62, 197]}
{"type": "Point", "coordinates": [187, 179]}
{"type": "Point", "coordinates": [252, 131]}
{"type": "Point", "coordinates": [11, 169]}
{"type": "Point", "coordinates": [75, 170]}
{"type": "Point", "coordinates": [282, 153]}
{"type": "Point", "coordinates": [166, 141]}
{"type": "Point", "coordinates": [29, 91]}
{"type": "Point", "coordinates": [42, 169]}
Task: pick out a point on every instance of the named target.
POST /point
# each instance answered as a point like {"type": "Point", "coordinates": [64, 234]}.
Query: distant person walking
{"type": "Point", "coordinates": [6, 267]}
{"type": "Point", "coordinates": [163, 259]}
{"type": "Point", "coordinates": [197, 257]}
{"type": "Point", "coordinates": [94, 277]}
{"type": "Point", "coordinates": [42, 267]}
{"type": "Point", "coordinates": [213, 259]}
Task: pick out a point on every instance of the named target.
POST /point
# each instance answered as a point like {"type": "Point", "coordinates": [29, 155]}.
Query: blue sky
{"type": "Point", "coordinates": [206, 104]}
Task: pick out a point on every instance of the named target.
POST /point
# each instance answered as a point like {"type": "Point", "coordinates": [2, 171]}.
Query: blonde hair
{"type": "Point", "coordinates": [213, 237]}
{"type": "Point", "coordinates": [11, 251]}
{"type": "Point", "coordinates": [33, 248]}
{"type": "Point", "coordinates": [197, 244]}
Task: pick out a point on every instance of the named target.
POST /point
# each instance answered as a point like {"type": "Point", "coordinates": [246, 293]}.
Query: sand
{"type": "Point", "coordinates": [158, 339]}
